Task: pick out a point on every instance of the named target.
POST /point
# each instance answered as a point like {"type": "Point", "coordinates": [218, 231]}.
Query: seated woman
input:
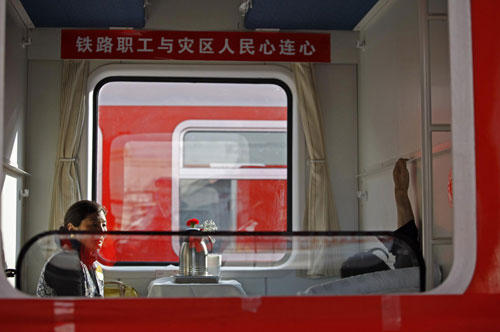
{"type": "Point", "coordinates": [72, 271]}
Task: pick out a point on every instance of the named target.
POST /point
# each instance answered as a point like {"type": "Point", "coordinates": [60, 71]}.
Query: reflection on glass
{"type": "Point", "coordinates": [141, 160]}
{"type": "Point", "coordinates": [225, 148]}
{"type": "Point", "coordinates": [236, 205]}
{"type": "Point", "coordinates": [285, 264]}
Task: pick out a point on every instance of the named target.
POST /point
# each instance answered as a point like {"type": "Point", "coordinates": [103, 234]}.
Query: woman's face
{"type": "Point", "coordinates": [96, 223]}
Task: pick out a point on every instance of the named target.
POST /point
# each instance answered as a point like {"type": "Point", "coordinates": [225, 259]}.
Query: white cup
{"type": "Point", "coordinates": [213, 264]}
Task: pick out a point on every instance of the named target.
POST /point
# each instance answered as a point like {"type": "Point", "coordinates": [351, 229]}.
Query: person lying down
{"type": "Point", "coordinates": [370, 271]}
{"type": "Point", "coordinates": [369, 261]}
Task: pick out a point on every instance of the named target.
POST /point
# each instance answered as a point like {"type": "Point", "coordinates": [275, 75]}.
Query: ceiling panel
{"type": "Point", "coordinates": [307, 14]}
{"type": "Point", "coordinates": [272, 14]}
{"type": "Point", "coordinates": [85, 13]}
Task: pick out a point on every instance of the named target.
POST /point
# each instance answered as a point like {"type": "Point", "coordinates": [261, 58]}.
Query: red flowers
{"type": "Point", "coordinates": [194, 242]}
{"type": "Point", "coordinates": [192, 222]}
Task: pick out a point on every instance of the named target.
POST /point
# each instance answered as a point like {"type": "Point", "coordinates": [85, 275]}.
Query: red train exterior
{"type": "Point", "coordinates": [261, 203]}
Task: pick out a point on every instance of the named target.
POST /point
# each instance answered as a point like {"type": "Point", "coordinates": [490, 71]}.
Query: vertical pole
{"type": "Point", "coordinates": [427, 199]}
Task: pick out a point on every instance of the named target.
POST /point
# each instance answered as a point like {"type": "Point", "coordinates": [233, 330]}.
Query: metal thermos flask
{"type": "Point", "coordinates": [193, 255]}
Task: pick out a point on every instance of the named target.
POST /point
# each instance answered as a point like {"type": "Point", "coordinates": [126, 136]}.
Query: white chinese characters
{"type": "Point", "coordinates": [267, 48]}
{"type": "Point", "coordinates": [246, 47]}
{"type": "Point", "coordinates": [84, 44]}
{"type": "Point", "coordinates": [206, 46]}
{"type": "Point", "coordinates": [104, 44]}
{"type": "Point", "coordinates": [166, 44]}
{"type": "Point", "coordinates": [226, 47]}
{"type": "Point", "coordinates": [287, 47]}
{"type": "Point", "coordinates": [186, 45]}
{"type": "Point", "coordinates": [124, 45]}
{"type": "Point", "coordinates": [307, 48]}
{"type": "Point", "coordinates": [145, 47]}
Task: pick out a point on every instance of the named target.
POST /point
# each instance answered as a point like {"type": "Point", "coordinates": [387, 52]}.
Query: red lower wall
{"type": "Point", "coordinates": [474, 311]}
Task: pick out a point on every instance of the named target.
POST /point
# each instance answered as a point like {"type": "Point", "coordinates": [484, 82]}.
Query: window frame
{"type": "Point", "coordinates": [258, 74]}
{"type": "Point", "coordinates": [463, 152]}
{"type": "Point", "coordinates": [218, 126]}
{"type": "Point", "coordinates": [179, 172]}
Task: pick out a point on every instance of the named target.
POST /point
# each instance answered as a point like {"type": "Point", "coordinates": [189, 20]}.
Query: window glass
{"type": "Point", "coordinates": [237, 149]}
{"type": "Point", "coordinates": [236, 205]}
{"type": "Point", "coordinates": [11, 199]}
{"type": "Point", "coordinates": [171, 151]}
{"type": "Point", "coordinates": [10, 220]}
{"type": "Point", "coordinates": [274, 264]}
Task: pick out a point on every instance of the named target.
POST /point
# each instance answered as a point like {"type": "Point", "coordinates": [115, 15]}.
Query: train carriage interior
{"type": "Point", "coordinates": [269, 151]}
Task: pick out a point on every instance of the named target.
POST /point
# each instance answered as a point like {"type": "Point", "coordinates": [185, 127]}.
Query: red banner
{"type": "Point", "coordinates": [199, 45]}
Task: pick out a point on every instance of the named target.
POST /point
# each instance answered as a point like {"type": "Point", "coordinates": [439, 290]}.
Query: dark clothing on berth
{"type": "Point", "coordinates": [402, 246]}
{"type": "Point", "coordinates": [65, 274]}
{"type": "Point", "coordinates": [404, 253]}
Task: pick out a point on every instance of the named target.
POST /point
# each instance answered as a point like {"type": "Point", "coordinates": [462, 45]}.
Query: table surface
{"type": "Point", "coordinates": [166, 287]}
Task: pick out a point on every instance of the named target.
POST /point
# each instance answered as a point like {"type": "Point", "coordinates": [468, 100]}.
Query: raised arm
{"type": "Point", "coordinates": [401, 183]}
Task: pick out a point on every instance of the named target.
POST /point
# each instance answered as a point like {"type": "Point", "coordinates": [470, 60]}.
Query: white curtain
{"type": "Point", "coordinates": [321, 212]}
{"type": "Point", "coordinates": [66, 189]}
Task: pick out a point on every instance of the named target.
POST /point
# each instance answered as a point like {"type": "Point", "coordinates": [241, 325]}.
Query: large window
{"type": "Point", "coordinates": [168, 150]}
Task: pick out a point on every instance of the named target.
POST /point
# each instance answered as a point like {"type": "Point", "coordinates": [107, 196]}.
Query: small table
{"type": "Point", "coordinates": [166, 287]}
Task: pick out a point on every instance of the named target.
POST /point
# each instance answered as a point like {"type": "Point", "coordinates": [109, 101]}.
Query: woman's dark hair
{"type": "Point", "coordinates": [80, 210]}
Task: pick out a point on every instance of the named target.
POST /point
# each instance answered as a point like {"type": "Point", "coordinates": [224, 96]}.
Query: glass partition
{"type": "Point", "coordinates": [219, 264]}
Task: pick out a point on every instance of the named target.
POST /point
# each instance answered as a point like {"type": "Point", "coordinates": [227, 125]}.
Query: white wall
{"type": "Point", "coordinates": [194, 15]}
{"type": "Point", "coordinates": [390, 117]}
{"type": "Point", "coordinates": [5, 288]}
{"type": "Point", "coordinates": [44, 84]}
{"type": "Point", "coordinates": [15, 105]}
{"type": "Point", "coordinates": [13, 74]}
{"type": "Point", "coordinates": [16, 70]}
{"type": "Point", "coordinates": [389, 106]}
{"type": "Point", "coordinates": [336, 86]}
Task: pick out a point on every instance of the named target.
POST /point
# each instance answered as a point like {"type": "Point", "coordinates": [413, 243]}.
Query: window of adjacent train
{"type": "Point", "coordinates": [169, 151]}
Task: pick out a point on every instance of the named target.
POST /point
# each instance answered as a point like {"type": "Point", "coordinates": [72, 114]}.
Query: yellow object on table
{"type": "Point", "coordinates": [118, 289]}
